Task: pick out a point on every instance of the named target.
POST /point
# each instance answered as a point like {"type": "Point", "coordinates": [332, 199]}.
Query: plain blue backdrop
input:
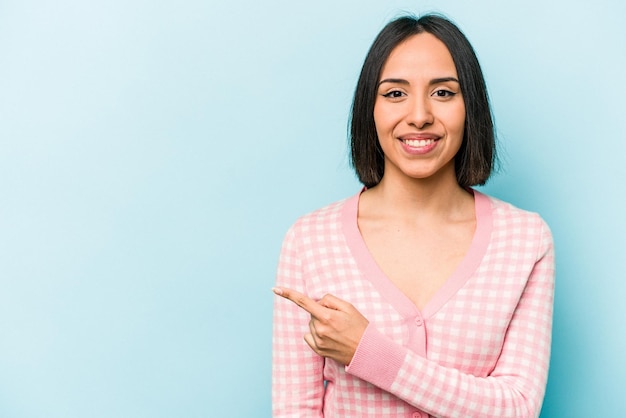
{"type": "Point", "coordinates": [153, 154]}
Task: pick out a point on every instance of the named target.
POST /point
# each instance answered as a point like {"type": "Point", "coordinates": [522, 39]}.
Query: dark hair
{"type": "Point", "coordinates": [476, 157]}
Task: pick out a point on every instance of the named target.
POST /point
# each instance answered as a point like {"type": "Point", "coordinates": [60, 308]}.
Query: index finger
{"type": "Point", "coordinates": [301, 300]}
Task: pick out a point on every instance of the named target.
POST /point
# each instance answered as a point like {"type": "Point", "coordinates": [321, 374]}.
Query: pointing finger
{"type": "Point", "coordinates": [333, 302]}
{"type": "Point", "coordinates": [301, 300]}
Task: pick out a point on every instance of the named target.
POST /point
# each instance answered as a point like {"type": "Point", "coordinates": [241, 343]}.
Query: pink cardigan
{"type": "Point", "coordinates": [479, 348]}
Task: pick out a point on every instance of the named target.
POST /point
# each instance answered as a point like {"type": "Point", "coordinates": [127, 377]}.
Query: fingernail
{"type": "Point", "coordinates": [278, 291]}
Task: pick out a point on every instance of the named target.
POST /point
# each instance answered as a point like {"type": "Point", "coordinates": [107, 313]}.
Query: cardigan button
{"type": "Point", "coordinates": [419, 323]}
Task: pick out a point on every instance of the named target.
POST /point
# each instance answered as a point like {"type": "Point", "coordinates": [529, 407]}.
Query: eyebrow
{"type": "Point", "coordinates": [433, 81]}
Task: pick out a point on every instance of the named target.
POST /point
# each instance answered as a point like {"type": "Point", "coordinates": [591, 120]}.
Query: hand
{"type": "Point", "coordinates": [336, 327]}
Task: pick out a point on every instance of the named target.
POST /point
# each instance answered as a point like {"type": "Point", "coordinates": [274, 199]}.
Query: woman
{"type": "Point", "coordinates": [419, 296]}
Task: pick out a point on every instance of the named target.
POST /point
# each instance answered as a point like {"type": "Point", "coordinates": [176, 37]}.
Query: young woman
{"type": "Point", "coordinates": [418, 296]}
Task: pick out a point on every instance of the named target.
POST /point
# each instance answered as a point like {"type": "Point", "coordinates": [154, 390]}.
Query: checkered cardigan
{"type": "Point", "coordinates": [479, 348]}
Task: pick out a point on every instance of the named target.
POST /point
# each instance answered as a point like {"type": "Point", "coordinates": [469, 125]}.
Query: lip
{"type": "Point", "coordinates": [419, 137]}
{"type": "Point", "coordinates": [419, 150]}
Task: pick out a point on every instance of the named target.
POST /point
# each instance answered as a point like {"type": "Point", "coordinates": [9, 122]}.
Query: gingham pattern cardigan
{"type": "Point", "coordinates": [479, 348]}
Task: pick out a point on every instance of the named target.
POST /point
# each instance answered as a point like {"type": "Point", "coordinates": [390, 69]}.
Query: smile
{"type": "Point", "coordinates": [418, 143]}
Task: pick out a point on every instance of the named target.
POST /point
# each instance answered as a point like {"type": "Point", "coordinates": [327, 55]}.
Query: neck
{"type": "Point", "coordinates": [434, 197]}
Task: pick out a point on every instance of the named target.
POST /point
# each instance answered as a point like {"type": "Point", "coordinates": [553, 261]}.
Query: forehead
{"type": "Point", "coordinates": [420, 54]}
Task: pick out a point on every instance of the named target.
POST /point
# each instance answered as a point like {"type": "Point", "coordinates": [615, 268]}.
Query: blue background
{"type": "Point", "coordinates": [153, 154]}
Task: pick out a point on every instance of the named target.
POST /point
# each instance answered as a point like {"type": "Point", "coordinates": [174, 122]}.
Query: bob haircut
{"type": "Point", "coordinates": [475, 159]}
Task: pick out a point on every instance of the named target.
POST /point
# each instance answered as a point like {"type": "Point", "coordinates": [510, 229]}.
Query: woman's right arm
{"type": "Point", "coordinates": [297, 372]}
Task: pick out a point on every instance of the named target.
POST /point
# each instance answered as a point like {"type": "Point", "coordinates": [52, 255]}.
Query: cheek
{"type": "Point", "coordinates": [379, 121]}
{"type": "Point", "coordinates": [457, 121]}
{"type": "Point", "coordinates": [384, 119]}
{"type": "Point", "coordinates": [377, 116]}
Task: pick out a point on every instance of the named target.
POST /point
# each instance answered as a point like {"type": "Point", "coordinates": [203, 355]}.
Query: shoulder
{"type": "Point", "coordinates": [325, 222]}
{"type": "Point", "coordinates": [515, 223]}
{"type": "Point", "coordinates": [321, 217]}
{"type": "Point", "coordinates": [512, 215]}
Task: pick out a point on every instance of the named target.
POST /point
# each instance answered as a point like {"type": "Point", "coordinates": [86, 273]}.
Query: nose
{"type": "Point", "coordinates": [419, 113]}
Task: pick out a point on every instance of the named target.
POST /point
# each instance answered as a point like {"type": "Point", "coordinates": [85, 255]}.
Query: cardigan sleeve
{"type": "Point", "coordinates": [297, 371]}
{"type": "Point", "coordinates": [515, 387]}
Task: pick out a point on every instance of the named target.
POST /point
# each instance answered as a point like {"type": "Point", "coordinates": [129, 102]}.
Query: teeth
{"type": "Point", "coordinates": [418, 142]}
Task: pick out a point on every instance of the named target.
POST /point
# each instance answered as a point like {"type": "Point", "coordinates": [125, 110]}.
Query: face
{"type": "Point", "coordinates": [419, 111]}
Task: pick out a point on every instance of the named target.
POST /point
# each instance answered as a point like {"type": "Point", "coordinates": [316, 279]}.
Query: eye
{"type": "Point", "coordinates": [444, 93]}
{"type": "Point", "coordinates": [394, 94]}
